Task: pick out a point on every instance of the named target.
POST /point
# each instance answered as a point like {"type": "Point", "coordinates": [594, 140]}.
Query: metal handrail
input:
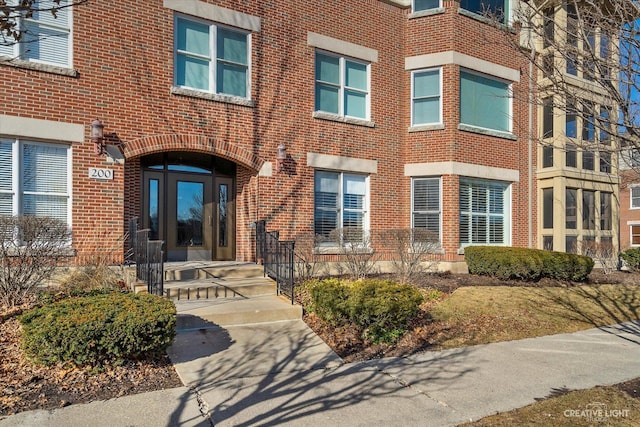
{"type": "Point", "coordinates": [149, 258]}
{"type": "Point", "coordinates": [277, 257]}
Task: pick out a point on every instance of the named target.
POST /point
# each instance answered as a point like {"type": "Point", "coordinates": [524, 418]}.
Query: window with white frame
{"type": "Point", "coordinates": [45, 38]}
{"type": "Point", "coordinates": [342, 86]}
{"type": "Point", "coordinates": [425, 209]}
{"type": "Point", "coordinates": [420, 5]}
{"type": "Point", "coordinates": [426, 97]}
{"type": "Point", "coordinates": [340, 207]}
{"type": "Point", "coordinates": [34, 179]}
{"type": "Point", "coordinates": [635, 197]}
{"type": "Point", "coordinates": [484, 212]}
{"type": "Point", "coordinates": [485, 102]}
{"type": "Point", "coordinates": [212, 58]}
{"type": "Point", "coordinates": [498, 9]}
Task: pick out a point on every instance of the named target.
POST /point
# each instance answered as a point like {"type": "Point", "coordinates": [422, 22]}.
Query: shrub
{"type": "Point", "coordinates": [101, 328]}
{"type": "Point", "coordinates": [504, 263]}
{"type": "Point", "coordinates": [329, 300]}
{"type": "Point", "coordinates": [632, 258]}
{"type": "Point", "coordinates": [526, 264]}
{"type": "Point", "coordinates": [383, 308]}
{"type": "Point", "coordinates": [30, 250]}
{"type": "Point", "coordinates": [380, 308]}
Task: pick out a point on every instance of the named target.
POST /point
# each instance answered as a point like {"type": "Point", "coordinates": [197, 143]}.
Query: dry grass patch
{"type": "Point", "coordinates": [613, 405]}
{"type": "Point", "coordinates": [497, 313]}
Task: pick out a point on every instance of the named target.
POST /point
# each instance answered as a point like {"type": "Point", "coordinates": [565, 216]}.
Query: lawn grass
{"type": "Point", "coordinates": [573, 409]}
{"type": "Point", "coordinates": [487, 314]}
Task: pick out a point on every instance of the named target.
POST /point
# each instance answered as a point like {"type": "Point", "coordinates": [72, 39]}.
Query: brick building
{"type": "Point", "coordinates": [390, 114]}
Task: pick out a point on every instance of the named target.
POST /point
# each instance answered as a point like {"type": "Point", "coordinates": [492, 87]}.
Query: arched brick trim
{"type": "Point", "coordinates": [177, 142]}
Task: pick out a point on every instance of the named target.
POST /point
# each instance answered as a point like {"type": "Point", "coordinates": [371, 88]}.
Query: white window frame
{"type": "Point", "coordinates": [509, 96]}
{"type": "Point", "coordinates": [212, 58]}
{"type": "Point", "coordinates": [17, 190]}
{"type": "Point", "coordinates": [19, 49]}
{"type": "Point", "coordinates": [633, 205]}
{"type": "Point", "coordinates": [507, 213]}
{"type": "Point", "coordinates": [439, 96]}
{"type": "Point", "coordinates": [439, 211]}
{"type": "Point", "coordinates": [342, 85]}
{"type": "Point", "coordinates": [414, 10]}
{"type": "Point", "coordinates": [340, 209]}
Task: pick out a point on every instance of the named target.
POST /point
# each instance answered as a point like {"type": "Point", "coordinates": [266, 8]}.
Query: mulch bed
{"type": "Point", "coordinates": [24, 386]}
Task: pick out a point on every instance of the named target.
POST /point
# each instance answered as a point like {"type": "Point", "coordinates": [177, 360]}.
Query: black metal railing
{"type": "Point", "coordinates": [149, 258]}
{"type": "Point", "coordinates": [277, 257]}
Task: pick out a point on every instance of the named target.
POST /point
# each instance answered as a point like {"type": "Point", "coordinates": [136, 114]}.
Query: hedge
{"type": "Point", "coordinates": [526, 264]}
{"type": "Point", "coordinates": [98, 329]}
{"type": "Point", "coordinates": [632, 258]}
{"type": "Point", "coordinates": [381, 308]}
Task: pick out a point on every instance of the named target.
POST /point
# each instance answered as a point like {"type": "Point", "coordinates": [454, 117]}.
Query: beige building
{"type": "Point", "coordinates": [577, 175]}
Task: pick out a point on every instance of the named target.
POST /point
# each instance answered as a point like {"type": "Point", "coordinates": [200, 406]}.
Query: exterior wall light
{"type": "Point", "coordinates": [97, 136]}
{"type": "Point", "coordinates": [281, 156]}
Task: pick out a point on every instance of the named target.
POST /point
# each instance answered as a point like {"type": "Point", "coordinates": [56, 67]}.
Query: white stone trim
{"type": "Point", "coordinates": [461, 169]}
{"type": "Point", "coordinates": [342, 47]}
{"type": "Point", "coordinates": [452, 57]}
{"type": "Point", "coordinates": [340, 163]}
{"type": "Point", "coordinates": [266, 169]}
{"type": "Point", "coordinates": [40, 129]}
{"type": "Point", "coordinates": [215, 13]}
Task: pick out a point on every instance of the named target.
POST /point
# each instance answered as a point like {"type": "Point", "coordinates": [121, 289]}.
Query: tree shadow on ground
{"type": "Point", "coordinates": [283, 374]}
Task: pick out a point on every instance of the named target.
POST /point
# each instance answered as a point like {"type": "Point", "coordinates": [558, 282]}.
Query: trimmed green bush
{"type": "Point", "coordinates": [632, 258]}
{"type": "Point", "coordinates": [506, 263]}
{"type": "Point", "coordinates": [380, 308]}
{"type": "Point", "coordinates": [98, 329]}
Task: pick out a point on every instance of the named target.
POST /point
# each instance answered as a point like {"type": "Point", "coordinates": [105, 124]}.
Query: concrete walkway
{"type": "Point", "coordinates": [282, 374]}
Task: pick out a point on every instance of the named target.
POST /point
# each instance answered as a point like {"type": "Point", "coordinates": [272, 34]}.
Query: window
{"type": "Point", "coordinates": [571, 244]}
{"type": "Point", "coordinates": [605, 162]}
{"type": "Point", "coordinates": [484, 212]}
{"type": "Point", "coordinates": [340, 202]}
{"type": "Point", "coordinates": [547, 243]}
{"type": "Point", "coordinates": [342, 86]}
{"type": "Point", "coordinates": [45, 38]}
{"type": "Point", "coordinates": [425, 97]}
{"type": "Point", "coordinates": [635, 235]}
{"type": "Point", "coordinates": [547, 156]}
{"type": "Point", "coordinates": [588, 160]}
{"type": "Point", "coordinates": [571, 208]}
{"type": "Point", "coordinates": [605, 211]}
{"type": "Point", "coordinates": [571, 123]}
{"type": "Point", "coordinates": [588, 123]}
{"type": "Point", "coordinates": [588, 210]}
{"type": "Point", "coordinates": [571, 156]}
{"type": "Point", "coordinates": [548, 16]}
{"type": "Point", "coordinates": [492, 8]}
{"type": "Point", "coordinates": [37, 184]}
{"type": "Point", "coordinates": [635, 197]}
{"type": "Point", "coordinates": [547, 118]}
{"type": "Point", "coordinates": [211, 58]}
{"type": "Point", "coordinates": [425, 207]}
{"type": "Point", "coordinates": [484, 102]}
{"type": "Point", "coordinates": [547, 208]}
{"type": "Point", "coordinates": [419, 5]}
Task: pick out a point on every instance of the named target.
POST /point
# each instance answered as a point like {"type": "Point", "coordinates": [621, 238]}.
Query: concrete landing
{"type": "Point", "coordinates": [198, 314]}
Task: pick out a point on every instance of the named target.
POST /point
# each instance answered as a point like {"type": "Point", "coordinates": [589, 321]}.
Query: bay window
{"type": "Point", "coordinates": [342, 86]}
{"type": "Point", "coordinates": [426, 97]}
{"type": "Point", "coordinates": [485, 102]}
{"type": "Point", "coordinates": [484, 212]}
{"type": "Point", "coordinates": [425, 209]}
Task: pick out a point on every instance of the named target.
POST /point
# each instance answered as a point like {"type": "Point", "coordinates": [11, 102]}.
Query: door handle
{"type": "Point", "coordinates": [210, 220]}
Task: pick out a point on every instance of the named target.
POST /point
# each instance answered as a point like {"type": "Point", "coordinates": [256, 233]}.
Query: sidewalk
{"type": "Point", "coordinates": [282, 374]}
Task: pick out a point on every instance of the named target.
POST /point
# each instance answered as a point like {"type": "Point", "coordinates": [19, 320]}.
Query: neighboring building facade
{"type": "Point", "coordinates": [629, 199]}
{"type": "Point", "coordinates": [578, 170]}
{"type": "Point", "coordinates": [393, 114]}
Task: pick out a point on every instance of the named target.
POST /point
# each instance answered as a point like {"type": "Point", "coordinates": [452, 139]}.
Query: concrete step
{"type": "Point", "coordinates": [208, 270]}
{"type": "Point", "coordinates": [219, 288]}
{"type": "Point", "coordinates": [204, 314]}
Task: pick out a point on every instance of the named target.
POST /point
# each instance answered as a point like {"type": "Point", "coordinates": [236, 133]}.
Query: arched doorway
{"type": "Point", "coordinates": [188, 200]}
